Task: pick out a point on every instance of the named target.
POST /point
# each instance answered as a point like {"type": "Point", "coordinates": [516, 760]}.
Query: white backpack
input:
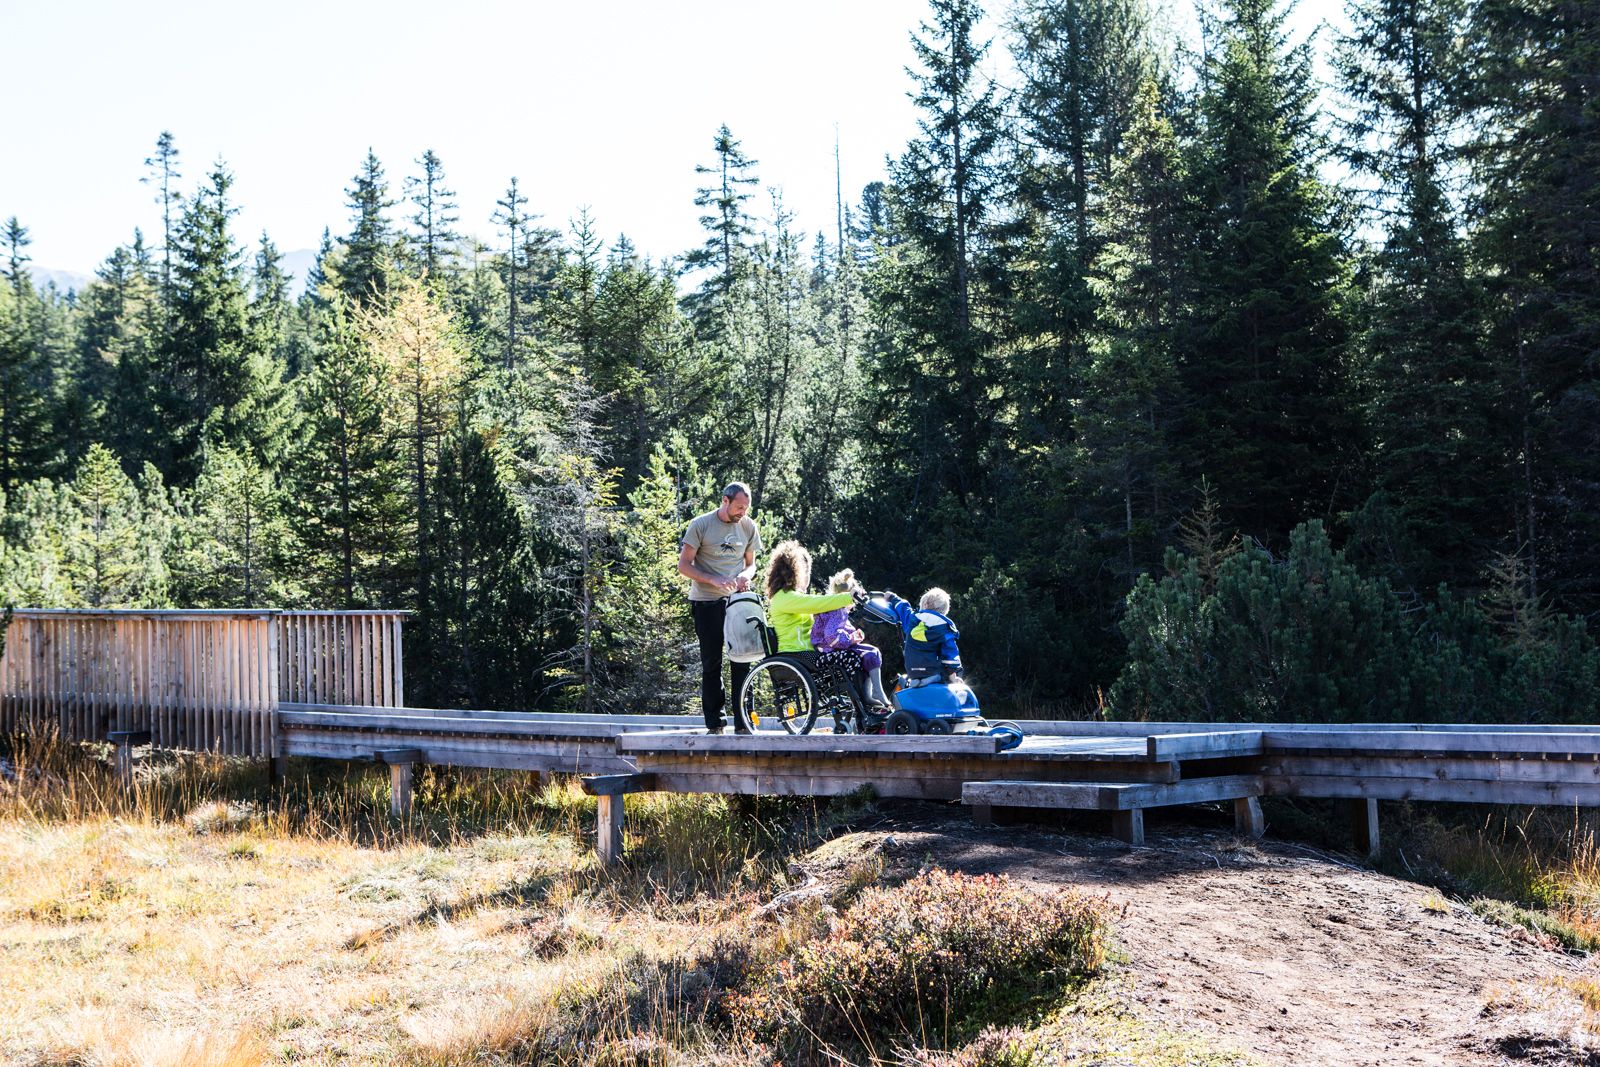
{"type": "Point", "coordinates": [745, 635]}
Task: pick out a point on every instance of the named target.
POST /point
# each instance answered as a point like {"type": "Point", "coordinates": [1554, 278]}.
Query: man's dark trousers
{"type": "Point", "coordinates": [708, 616]}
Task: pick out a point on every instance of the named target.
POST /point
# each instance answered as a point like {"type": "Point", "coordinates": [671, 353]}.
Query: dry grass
{"type": "Point", "coordinates": [202, 920]}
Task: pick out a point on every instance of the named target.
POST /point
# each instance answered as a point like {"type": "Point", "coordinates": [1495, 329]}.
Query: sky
{"type": "Point", "coordinates": [604, 104]}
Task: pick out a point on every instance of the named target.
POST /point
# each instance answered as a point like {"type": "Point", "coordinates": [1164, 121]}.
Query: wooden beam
{"type": "Point", "coordinates": [396, 756]}
{"type": "Point", "coordinates": [1211, 745]}
{"type": "Point", "coordinates": [1444, 768]}
{"type": "Point", "coordinates": [808, 744]}
{"type": "Point", "coordinates": [615, 785]}
{"type": "Point", "coordinates": [1128, 826]}
{"type": "Point", "coordinates": [1393, 742]}
{"type": "Point", "coordinates": [1562, 794]}
{"type": "Point", "coordinates": [1111, 797]}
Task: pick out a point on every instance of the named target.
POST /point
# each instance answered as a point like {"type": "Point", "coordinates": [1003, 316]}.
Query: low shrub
{"type": "Point", "coordinates": [924, 958]}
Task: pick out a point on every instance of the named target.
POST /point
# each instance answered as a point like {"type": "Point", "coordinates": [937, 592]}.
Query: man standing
{"type": "Point", "coordinates": [718, 556]}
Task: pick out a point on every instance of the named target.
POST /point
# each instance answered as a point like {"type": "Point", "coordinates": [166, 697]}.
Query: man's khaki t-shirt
{"type": "Point", "coordinates": [719, 548]}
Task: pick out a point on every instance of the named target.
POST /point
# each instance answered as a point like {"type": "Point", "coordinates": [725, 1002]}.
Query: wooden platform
{"type": "Point", "coordinates": [1119, 768]}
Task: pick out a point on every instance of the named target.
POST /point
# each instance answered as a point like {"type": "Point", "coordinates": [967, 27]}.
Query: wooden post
{"type": "Point", "coordinates": [1364, 826]}
{"type": "Point", "coordinates": [983, 815]}
{"type": "Point", "coordinates": [611, 789]}
{"type": "Point", "coordinates": [401, 762]}
{"type": "Point", "coordinates": [608, 842]}
{"type": "Point", "coordinates": [1247, 820]}
{"type": "Point", "coordinates": [1128, 825]}
{"type": "Point", "coordinates": [125, 740]}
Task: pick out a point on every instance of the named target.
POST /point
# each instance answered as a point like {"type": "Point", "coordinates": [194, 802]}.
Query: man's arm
{"type": "Point", "coordinates": [686, 567]}
{"type": "Point", "coordinates": [748, 574]}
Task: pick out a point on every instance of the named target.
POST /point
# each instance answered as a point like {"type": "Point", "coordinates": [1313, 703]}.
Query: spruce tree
{"type": "Point", "coordinates": [1271, 417]}
{"type": "Point", "coordinates": [1534, 65]}
{"type": "Point", "coordinates": [1431, 388]}
{"type": "Point", "coordinates": [235, 548]}
{"type": "Point", "coordinates": [164, 175]}
{"type": "Point", "coordinates": [510, 216]}
{"type": "Point", "coordinates": [27, 395]}
{"type": "Point", "coordinates": [368, 247]}
{"type": "Point", "coordinates": [114, 550]}
{"type": "Point", "coordinates": [433, 240]}
{"type": "Point", "coordinates": [349, 485]}
{"type": "Point", "coordinates": [1132, 398]}
{"type": "Point", "coordinates": [726, 224]}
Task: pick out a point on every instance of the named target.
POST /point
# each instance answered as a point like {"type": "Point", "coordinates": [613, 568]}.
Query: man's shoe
{"type": "Point", "coordinates": [714, 730]}
{"type": "Point", "coordinates": [743, 731]}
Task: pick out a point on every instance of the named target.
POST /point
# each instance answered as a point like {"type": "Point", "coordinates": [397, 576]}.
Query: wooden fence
{"type": "Point", "coordinates": [199, 680]}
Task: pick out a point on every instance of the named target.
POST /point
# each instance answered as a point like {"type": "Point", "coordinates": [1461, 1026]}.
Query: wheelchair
{"type": "Point", "coordinates": [797, 688]}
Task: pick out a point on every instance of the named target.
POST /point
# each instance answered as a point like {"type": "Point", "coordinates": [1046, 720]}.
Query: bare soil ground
{"type": "Point", "coordinates": [1288, 954]}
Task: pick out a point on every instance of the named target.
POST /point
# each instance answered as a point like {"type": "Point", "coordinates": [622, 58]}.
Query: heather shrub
{"type": "Point", "coordinates": [923, 959]}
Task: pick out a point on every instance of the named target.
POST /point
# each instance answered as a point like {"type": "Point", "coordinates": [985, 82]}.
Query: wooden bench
{"type": "Point", "coordinates": [1125, 801]}
{"type": "Point", "coordinates": [126, 741]}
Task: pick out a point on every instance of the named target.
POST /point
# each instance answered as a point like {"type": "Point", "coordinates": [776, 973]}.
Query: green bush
{"type": "Point", "coordinates": [923, 958]}
{"type": "Point", "coordinates": [1308, 638]}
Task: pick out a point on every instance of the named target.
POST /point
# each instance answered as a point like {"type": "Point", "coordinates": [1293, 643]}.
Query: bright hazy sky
{"type": "Point", "coordinates": [602, 103]}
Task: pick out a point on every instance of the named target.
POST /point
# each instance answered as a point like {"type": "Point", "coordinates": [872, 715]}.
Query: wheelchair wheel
{"type": "Point", "coordinates": [780, 690]}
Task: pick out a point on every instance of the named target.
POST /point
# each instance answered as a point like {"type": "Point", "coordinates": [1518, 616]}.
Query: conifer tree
{"type": "Point", "coordinates": [349, 496]}
{"type": "Point", "coordinates": [1440, 455]}
{"type": "Point", "coordinates": [114, 540]}
{"type": "Point", "coordinates": [510, 216]}
{"type": "Point", "coordinates": [1536, 161]}
{"type": "Point", "coordinates": [477, 612]}
{"type": "Point", "coordinates": [368, 247]}
{"type": "Point", "coordinates": [1267, 379]}
{"type": "Point", "coordinates": [433, 240]}
{"type": "Point", "coordinates": [1131, 395]}
{"type": "Point", "coordinates": [424, 359]}
{"type": "Point", "coordinates": [164, 175]}
{"type": "Point", "coordinates": [726, 224]}
{"type": "Point", "coordinates": [215, 383]}
{"type": "Point", "coordinates": [235, 545]}
{"type": "Point", "coordinates": [26, 393]}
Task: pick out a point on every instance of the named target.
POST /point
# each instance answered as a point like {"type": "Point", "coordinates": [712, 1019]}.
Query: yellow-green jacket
{"type": "Point", "coordinates": [790, 614]}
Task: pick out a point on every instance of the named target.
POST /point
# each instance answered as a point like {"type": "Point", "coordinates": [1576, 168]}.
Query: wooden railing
{"type": "Point", "coordinates": [199, 680]}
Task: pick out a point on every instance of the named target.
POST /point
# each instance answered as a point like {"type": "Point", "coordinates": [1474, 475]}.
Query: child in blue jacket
{"type": "Point", "coordinates": [931, 652]}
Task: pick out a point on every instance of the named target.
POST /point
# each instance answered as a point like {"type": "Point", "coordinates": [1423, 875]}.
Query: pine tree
{"type": "Point", "coordinates": [1270, 412]}
{"type": "Point", "coordinates": [368, 247]}
{"type": "Point", "coordinates": [349, 497]}
{"type": "Point", "coordinates": [433, 240]}
{"type": "Point", "coordinates": [786, 332]}
{"type": "Point", "coordinates": [931, 377]}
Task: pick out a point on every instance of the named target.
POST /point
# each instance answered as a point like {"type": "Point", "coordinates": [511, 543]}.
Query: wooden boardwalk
{"type": "Point", "coordinates": [1120, 768]}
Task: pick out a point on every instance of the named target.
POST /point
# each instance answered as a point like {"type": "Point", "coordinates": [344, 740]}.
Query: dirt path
{"type": "Point", "coordinates": [1289, 954]}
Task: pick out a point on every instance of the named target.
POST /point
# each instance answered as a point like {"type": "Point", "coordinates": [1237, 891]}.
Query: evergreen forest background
{"type": "Point", "coordinates": [1189, 429]}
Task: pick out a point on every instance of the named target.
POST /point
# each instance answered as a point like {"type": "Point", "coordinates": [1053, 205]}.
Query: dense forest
{"type": "Point", "coordinates": [1189, 427]}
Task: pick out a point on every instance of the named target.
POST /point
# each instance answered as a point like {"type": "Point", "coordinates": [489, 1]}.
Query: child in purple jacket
{"type": "Point", "coordinates": [832, 631]}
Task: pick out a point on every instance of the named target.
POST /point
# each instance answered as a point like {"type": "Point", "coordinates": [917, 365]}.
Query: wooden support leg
{"type": "Point", "coordinates": [400, 790]}
{"type": "Point", "coordinates": [1247, 820]}
{"type": "Point", "coordinates": [1364, 825]}
{"type": "Point", "coordinates": [983, 815]}
{"type": "Point", "coordinates": [1128, 825]}
{"type": "Point", "coordinates": [123, 758]}
{"type": "Point", "coordinates": [276, 766]}
{"type": "Point", "coordinates": [608, 843]}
